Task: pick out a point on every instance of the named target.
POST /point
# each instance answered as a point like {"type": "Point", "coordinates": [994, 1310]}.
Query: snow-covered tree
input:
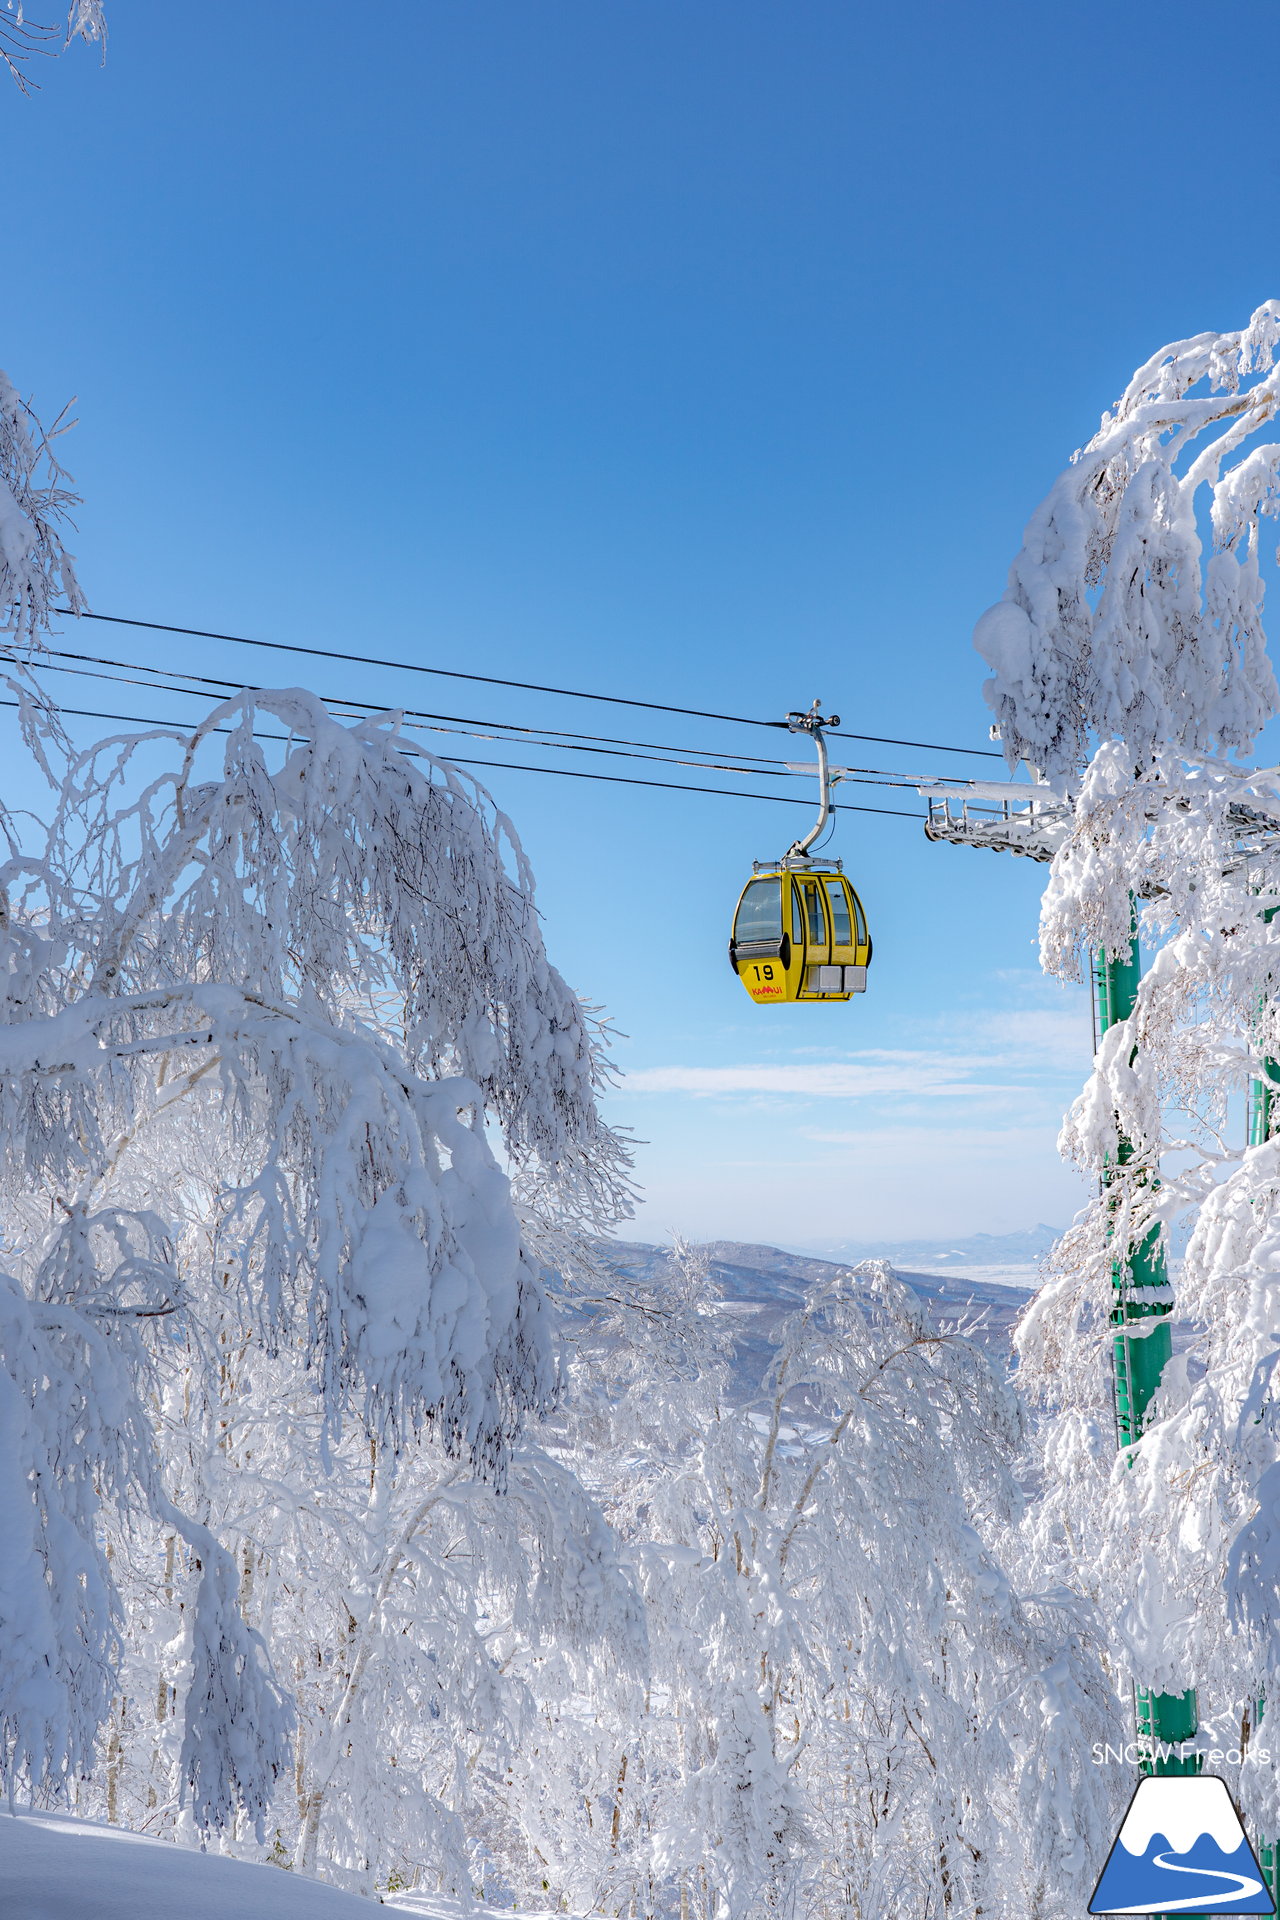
{"type": "Point", "coordinates": [1174, 1538]}
{"type": "Point", "coordinates": [1130, 668]}
{"type": "Point", "coordinates": [848, 1708]}
{"type": "Point", "coordinates": [1114, 624]}
{"type": "Point", "coordinates": [406, 1602]}
{"type": "Point", "coordinates": [710, 1651]}
{"type": "Point", "coordinates": [275, 1002]}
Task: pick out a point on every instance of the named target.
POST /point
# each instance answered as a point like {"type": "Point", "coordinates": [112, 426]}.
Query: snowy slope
{"type": "Point", "coordinates": [53, 1867]}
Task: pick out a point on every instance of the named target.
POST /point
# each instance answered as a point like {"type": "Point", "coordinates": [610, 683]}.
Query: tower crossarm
{"type": "Point", "coordinates": [1014, 817]}
{"type": "Point", "coordinates": [1006, 817]}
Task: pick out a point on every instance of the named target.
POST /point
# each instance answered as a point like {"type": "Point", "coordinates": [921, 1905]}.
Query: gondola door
{"type": "Point", "coordinates": [761, 949]}
{"type": "Point", "coordinates": [820, 978]}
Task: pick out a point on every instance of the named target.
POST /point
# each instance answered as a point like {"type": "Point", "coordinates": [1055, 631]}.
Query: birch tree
{"type": "Point", "coordinates": [273, 994]}
{"type": "Point", "coordinates": [849, 1705]}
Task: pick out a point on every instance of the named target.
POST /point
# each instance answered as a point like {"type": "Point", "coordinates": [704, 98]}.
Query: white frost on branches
{"type": "Point", "coordinates": [36, 571]}
{"type": "Point", "coordinates": [20, 37]}
{"type": "Point", "coordinates": [720, 1647]}
{"type": "Point", "coordinates": [86, 20]}
{"type": "Point", "coordinates": [270, 1010]}
{"type": "Point", "coordinates": [849, 1708]}
{"type": "Point", "coordinates": [1177, 1540]}
{"type": "Point", "coordinates": [1117, 631]}
{"type": "Point", "coordinates": [77, 1439]}
{"type": "Point", "coordinates": [1115, 623]}
{"type": "Point", "coordinates": [332, 962]}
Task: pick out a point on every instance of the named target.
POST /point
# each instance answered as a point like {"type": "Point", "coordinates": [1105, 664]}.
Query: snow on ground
{"type": "Point", "coordinates": [1014, 1273]}
{"type": "Point", "coordinates": [53, 1867]}
{"type": "Point", "coordinates": [438, 1909]}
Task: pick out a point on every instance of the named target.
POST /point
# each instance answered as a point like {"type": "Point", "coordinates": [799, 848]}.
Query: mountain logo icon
{"type": "Point", "coordinates": [1181, 1849]}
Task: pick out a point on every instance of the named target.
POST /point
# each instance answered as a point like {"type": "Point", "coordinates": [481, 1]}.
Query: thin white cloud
{"type": "Point", "coordinates": [889, 1142]}
{"type": "Point", "coordinates": [909, 1073]}
{"type": "Point", "coordinates": [1051, 1038]}
{"type": "Point", "coordinates": [790, 1143]}
{"type": "Point", "coordinates": [896, 1182]}
{"type": "Point", "coordinates": [984, 1055]}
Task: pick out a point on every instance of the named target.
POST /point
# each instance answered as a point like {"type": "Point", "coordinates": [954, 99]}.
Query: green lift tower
{"type": "Point", "coordinates": [1034, 822]}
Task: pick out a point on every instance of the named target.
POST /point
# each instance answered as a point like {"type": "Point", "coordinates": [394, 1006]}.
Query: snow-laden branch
{"type": "Point", "coordinates": [1176, 1536]}
{"type": "Point", "coordinates": [277, 1026]}
{"type": "Point", "coordinates": [343, 951]}
{"type": "Point", "coordinates": [20, 37]}
{"type": "Point", "coordinates": [840, 1658]}
{"type": "Point", "coordinates": [1115, 624]}
{"type": "Point", "coordinates": [75, 1435]}
{"type": "Point", "coordinates": [36, 571]}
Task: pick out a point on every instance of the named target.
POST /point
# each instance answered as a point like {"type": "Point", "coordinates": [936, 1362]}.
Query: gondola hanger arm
{"type": "Point", "coordinates": [813, 723]}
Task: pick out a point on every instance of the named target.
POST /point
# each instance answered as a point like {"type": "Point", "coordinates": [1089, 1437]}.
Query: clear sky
{"type": "Point", "coordinates": [705, 353]}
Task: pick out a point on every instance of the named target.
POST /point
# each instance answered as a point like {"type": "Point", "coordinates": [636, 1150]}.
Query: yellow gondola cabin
{"type": "Point", "coordinates": [800, 933]}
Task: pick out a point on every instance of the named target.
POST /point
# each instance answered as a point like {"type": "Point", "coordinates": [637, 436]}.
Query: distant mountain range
{"type": "Point", "coordinates": [975, 1250]}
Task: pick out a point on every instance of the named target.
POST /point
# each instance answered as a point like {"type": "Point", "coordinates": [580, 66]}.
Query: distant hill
{"type": "Point", "coordinates": [760, 1284]}
{"type": "Point", "coordinates": [975, 1250]}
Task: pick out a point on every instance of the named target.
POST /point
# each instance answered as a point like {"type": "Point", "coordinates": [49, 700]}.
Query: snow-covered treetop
{"type": "Point", "coordinates": [277, 1027]}
{"type": "Point", "coordinates": [1115, 624]}
{"type": "Point", "coordinates": [36, 571]}
{"type": "Point", "coordinates": [20, 37]}
{"type": "Point", "coordinates": [328, 953]}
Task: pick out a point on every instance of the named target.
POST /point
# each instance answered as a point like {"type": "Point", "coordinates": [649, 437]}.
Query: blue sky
{"type": "Point", "coordinates": [711, 354]}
